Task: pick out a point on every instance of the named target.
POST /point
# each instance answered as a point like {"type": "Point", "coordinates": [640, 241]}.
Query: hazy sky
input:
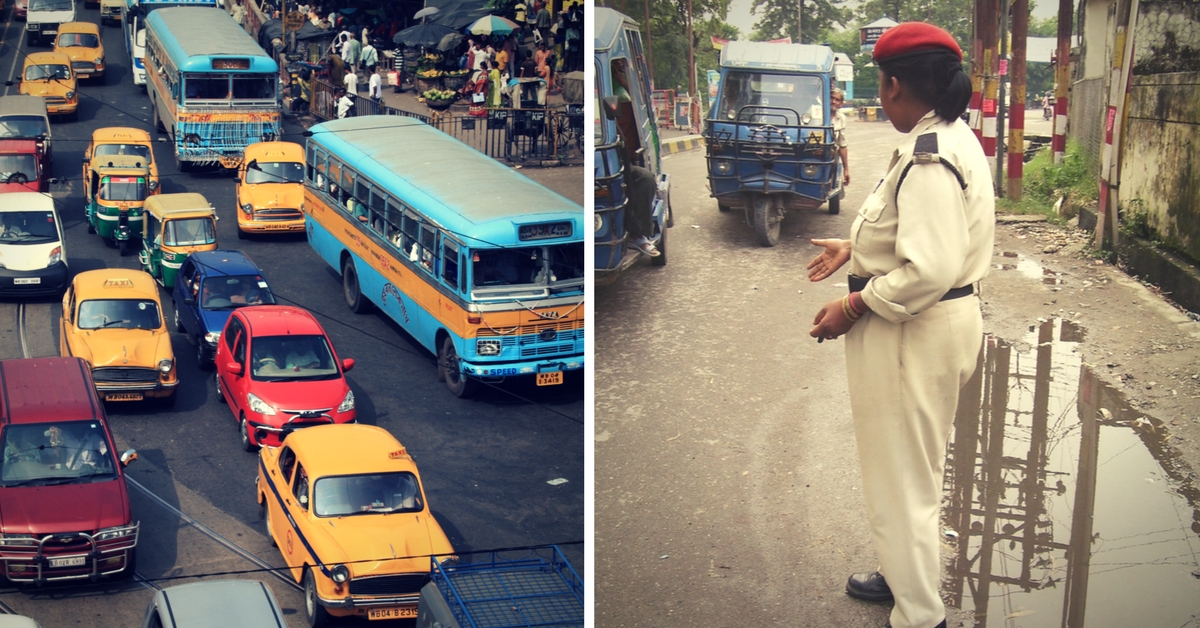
{"type": "Point", "coordinates": [739, 13]}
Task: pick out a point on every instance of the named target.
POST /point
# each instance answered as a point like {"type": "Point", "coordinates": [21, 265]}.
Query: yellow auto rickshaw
{"type": "Point", "coordinates": [176, 225]}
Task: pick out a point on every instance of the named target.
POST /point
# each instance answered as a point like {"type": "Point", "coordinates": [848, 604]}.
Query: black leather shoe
{"type": "Point", "coordinates": [868, 586]}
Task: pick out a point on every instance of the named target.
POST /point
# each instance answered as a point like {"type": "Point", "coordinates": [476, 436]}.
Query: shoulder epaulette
{"type": "Point", "coordinates": [925, 151]}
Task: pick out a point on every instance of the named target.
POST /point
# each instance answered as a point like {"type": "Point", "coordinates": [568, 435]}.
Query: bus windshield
{"type": "Point", "coordinates": [140, 150]}
{"type": "Point", "coordinates": [530, 268]}
{"type": "Point", "coordinates": [123, 189]}
{"type": "Point", "coordinates": [801, 94]}
{"type": "Point", "coordinates": [275, 172]}
{"type": "Point", "coordinates": [189, 232]}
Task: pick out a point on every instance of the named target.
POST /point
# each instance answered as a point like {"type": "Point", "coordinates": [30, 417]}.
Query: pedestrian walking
{"type": "Point", "coordinates": [350, 81]}
{"type": "Point", "coordinates": [369, 56]}
{"type": "Point", "coordinates": [837, 98]}
{"type": "Point", "coordinates": [543, 22]}
{"type": "Point", "coordinates": [375, 84]}
{"type": "Point", "coordinates": [350, 52]}
{"type": "Point", "coordinates": [912, 323]}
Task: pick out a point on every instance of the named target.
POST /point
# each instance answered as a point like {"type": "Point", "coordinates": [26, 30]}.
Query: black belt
{"type": "Point", "coordinates": [858, 283]}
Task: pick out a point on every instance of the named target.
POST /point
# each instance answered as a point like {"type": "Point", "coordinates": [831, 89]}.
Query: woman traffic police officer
{"type": "Point", "coordinates": [912, 323]}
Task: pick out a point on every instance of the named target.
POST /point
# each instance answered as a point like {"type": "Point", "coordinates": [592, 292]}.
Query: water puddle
{"type": "Point", "coordinates": [1065, 508]}
{"type": "Point", "coordinates": [1029, 268]}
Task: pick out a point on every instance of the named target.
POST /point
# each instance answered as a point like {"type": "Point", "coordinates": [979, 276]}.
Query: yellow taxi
{"type": "Point", "coordinates": [82, 43]}
{"type": "Point", "coordinates": [113, 319]}
{"type": "Point", "coordinates": [49, 75]}
{"type": "Point", "coordinates": [122, 140]}
{"type": "Point", "coordinates": [345, 506]}
{"type": "Point", "coordinates": [270, 189]}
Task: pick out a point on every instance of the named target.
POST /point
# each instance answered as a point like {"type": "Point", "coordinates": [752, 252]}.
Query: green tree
{"type": "Point", "coordinates": [1043, 28]}
{"type": "Point", "coordinates": [953, 15]}
{"type": "Point", "coordinates": [778, 18]}
{"type": "Point", "coordinates": [667, 35]}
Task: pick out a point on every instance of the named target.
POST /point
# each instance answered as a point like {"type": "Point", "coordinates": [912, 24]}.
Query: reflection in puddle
{"type": "Point", "coordinates": [1067, 504]}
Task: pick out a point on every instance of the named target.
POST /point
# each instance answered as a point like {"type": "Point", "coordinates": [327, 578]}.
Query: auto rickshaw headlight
{"type": "Point", "coordinates": [55, 256]}
{"type": "Point", "coordinates": [153, 185]}
{"type": "Point", "coordinates": [248, 208]}
{"type": "Point", "coordinates": [599, 222]}
{"type": "Point", "coordinates": [810, 171]}
{"type": "Point", "coordinates": [492, 347]}
{"type": "Point", "coordinates": [723, 166]}
{"type": "Point", "coordinates": [339, 574]}
{"type": "Point", "coordinates": [165, 365]}
{"type": "Point", "coordinates": [806, 118]}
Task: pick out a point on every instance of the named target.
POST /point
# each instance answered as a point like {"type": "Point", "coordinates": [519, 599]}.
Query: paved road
{"type": "Point", "coordinates": [726, 474]}
{"type": "Point", "coordinates": [485, 462]}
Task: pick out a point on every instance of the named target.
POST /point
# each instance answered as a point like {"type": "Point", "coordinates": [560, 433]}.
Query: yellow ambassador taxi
{"type": "Point", "coordinates": [113, 319]}
{"type": "Point", "coordinates": [270, 189]}
{"type": "Point", "coordinates": [345, 506]}
{"type": "Point", "coordinates": [49, 75]}
{"type": "Point", "coordinates": [82, 43]}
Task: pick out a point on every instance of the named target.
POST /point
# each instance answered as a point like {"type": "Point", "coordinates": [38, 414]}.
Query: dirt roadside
{"type": "Point", "coordinates": [1136, 340]}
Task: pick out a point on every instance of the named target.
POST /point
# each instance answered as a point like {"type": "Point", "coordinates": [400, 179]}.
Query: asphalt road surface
{"type": "Point", "coordinates": [486, 463]}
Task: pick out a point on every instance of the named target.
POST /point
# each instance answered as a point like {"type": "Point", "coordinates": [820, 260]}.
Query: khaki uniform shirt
{"type": "Point", "coordinates": [934, 232]}
{"type": "Point", "coordinates": [839, 129]}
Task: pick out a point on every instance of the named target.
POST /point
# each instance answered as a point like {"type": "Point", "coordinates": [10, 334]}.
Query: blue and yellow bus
{"type": "Point", "coordinates": [133, 22]}
{"type": "Point", "coordinates": [211, 87]}
{"type": "Point", "coordinates": [481, 265]}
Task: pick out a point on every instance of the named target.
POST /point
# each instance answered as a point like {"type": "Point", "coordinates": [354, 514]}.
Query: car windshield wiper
{"type": "Point", "coordinates": [111, 323]}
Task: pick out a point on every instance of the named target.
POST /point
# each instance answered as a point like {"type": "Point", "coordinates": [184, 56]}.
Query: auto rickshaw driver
{"type": "Point", "coordinates": [639, 181]}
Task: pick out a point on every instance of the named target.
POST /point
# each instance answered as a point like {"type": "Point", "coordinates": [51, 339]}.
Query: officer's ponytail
{"type": "Point", "coordinates": [934, 77]}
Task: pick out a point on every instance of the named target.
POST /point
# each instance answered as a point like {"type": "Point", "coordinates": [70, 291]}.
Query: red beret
{"type": "Point", "coordinates": [913, 37]}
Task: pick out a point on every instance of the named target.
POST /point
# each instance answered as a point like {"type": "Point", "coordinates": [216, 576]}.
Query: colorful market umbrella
{"type": "Point", "coordinates": [492, 25]}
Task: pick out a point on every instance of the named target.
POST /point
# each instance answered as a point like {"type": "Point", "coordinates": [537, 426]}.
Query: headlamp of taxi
{"type": "Point", "coordinates": [247, 207]}
{"type": "Point", "coordinates": [70, 94]}
{"type": "Point", "coordinates": [723, 166]}
{"type": "Point", "coordinates": [487, 347]}
{"type": "Point", "coordinates": [164, 365]}
{"type": "Point", "coordinates": [339, 574]}
{"type": "Point", "coordinates": [98, 61]}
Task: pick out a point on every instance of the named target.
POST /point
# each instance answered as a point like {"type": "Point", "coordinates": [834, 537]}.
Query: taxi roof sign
{"type": "Point", "coordinates": [399, 453]}
{"type": "Point", "coordinates": [118, 283]}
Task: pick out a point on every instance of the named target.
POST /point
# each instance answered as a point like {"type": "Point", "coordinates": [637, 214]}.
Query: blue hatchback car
{"type": "Point", "coordinates": [210, 285]}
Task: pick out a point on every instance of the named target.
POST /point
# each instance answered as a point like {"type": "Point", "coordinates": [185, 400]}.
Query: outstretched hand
{"type": "Point", "coordinates": [835, 255]}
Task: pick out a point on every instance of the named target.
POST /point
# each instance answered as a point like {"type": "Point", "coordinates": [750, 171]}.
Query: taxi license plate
{"type": "Point", "coordinates": [549, 379]}
{"type": "Point", "coordinates": [123, 397]}
{"type": "Point", "coordinates": [403, 612]}
{"type": "Point", "coordinates": [27, 281]}
{"type": "Point", "coordinates": [68, 562]}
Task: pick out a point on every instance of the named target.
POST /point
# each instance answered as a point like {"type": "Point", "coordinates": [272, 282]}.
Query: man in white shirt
{"type": "Point", "coordinates": [351, 80]}
{"type": "Point", "coordinates": [344, 105]}
{"type": "Point", "coordinates": [375, 84]}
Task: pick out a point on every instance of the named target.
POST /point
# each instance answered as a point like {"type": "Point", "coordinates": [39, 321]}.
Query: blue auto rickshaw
{"type": "Point", "coordinates": [625, 136]}
{"type": "Point", "coordinates": [770, 136]}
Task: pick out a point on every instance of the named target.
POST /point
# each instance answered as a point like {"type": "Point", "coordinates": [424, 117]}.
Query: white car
{"type": "Point", "coordinates": [44, 17]}
{"type": "Point", "coordinates": [33, 260]}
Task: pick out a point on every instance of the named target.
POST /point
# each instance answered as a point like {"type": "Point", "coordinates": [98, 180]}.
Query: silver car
{"type": "Point", "coordinates": [227, 603]}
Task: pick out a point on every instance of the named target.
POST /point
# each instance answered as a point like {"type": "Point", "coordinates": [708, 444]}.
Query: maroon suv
{"type": "Point", "coordinates": [64, 506]}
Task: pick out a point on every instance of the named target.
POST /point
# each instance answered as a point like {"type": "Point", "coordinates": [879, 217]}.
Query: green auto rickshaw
{"type": "Point", "coordinates": [176, 226]}
{"type": "Point", "coordinates": [115, 190]}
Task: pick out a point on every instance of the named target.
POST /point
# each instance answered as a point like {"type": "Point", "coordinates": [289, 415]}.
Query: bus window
{"type": "Point", "coordinates": [411, 227]}
{"type": "Point", "coordinates": [450, 264]}
{"type": "Point", "coordinates": [253, 87]}
{"type": "Point", "coordinates": [428, 246]}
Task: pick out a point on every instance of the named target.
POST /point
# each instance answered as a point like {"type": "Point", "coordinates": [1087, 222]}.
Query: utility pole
{"type": "Point", "coordinates": [976, 104]}
{"type": "Point", "coordinates": [1001, 110]}
{"type": "Point", "coordinates": [692, 55]}
{"type": "Point", "coordinates": [990, 70]}
{"type": "Point", "coordinates": [1016, 134]}
{"type": "Point", "coordinates": [799, 21]}
{"type": "Point", "coordinates": [1062, 78]}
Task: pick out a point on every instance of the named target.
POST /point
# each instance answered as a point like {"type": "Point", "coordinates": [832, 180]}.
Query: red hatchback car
{"type": "Point", "coordinates": [278, 372]}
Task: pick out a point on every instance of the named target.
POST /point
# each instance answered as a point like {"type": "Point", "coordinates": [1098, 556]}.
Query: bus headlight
{"type": "Point", "coordinates": [488, 347]}
{"type": "Point", "coordinates": [164, 365]}
{"type": "Point", "coordinates": [339, 574]}
{"type": "Point", "coordinates": [810, 172]}
{"type": "Point", "coordinates": [723, 166]}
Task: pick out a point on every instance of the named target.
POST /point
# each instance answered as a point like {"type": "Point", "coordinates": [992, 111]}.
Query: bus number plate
{"type": "Point", "coordinates": [123, 397]}
{"type": "Point", "coordinates": [402, 612]}
{"type": "Point", "coordinates": [549, 379]}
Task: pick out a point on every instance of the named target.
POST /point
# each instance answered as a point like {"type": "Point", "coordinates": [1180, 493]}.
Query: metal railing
{"type": "Point", "coordinates": [516, 135]}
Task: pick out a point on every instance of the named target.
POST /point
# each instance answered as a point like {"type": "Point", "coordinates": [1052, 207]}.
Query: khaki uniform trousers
{"type": "Point", "coordinates": [904, 380]}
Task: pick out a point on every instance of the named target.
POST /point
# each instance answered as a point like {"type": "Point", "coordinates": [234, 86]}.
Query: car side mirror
{"type": "Point", "coordinates": [347, 364]}
{"type": "Point", "coordinates": [128, 456]}
{"type": "Point", "coordinates": [189, 300]}
{"type": "Point", "coordinates": [610, 107]}
{"type": "Point", "coordinates": [234, 367]}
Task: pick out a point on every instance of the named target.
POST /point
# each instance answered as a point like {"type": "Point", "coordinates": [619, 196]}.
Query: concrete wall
{"type": "Point", "coordinates": [1168, 37]}
{"type": "Point", "coordinates": [1160, 174]}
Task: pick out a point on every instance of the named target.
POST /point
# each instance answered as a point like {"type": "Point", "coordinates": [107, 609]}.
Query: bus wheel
{"type": "Point", "coordinates": [354, 297]}
{"type": "Point", "coordinates": [460, 385]}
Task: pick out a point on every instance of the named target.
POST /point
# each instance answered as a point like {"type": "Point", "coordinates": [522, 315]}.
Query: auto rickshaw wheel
{"type": "Point", "coordinates": [91, 228]}
{"type": "Point", "coordinates": [835, 204]}
{"type": "Point", "coordinates": [123, 247]}
{"type": "Point", "coordinates": [768, 215]}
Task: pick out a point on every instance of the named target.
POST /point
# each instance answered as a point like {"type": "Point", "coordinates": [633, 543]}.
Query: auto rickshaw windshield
{"type": "Point", "coordinates": [189, 232]}
{"type": "Point", "coordinates": [799, 93]}
{"type": "Point", "coordinates": [123, 189]}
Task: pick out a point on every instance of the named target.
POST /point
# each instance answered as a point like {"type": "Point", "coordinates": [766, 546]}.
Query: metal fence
{"type": "Point", "coordinates": [517, 135]}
